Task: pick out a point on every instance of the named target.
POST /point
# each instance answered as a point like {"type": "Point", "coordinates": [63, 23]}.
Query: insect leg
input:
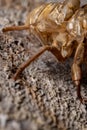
{"type": "Point", "coordinates": [29, 61]}
{"type": "Point", "coordinates": [53, 49]}
{"type": "Point", "coordinates": [13, 28]}
{"type": "Point", "coordinates": [77, 71]}
{"type": "Point", "coordinates": [57, 54]}
{"type": "Point", "coordinates": [76, 77]}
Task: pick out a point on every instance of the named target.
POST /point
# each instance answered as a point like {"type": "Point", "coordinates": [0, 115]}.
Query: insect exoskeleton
{"type": "Point", "coordinates": [76, 28]}
{"type": "Point", "coordinates": [62, 28]}
{"type": "Point", "coordinates": [77, 25]}
{"type": "Point", "coordinates": [49, 17]}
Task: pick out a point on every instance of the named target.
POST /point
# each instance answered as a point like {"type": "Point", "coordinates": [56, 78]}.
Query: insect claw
{"type": "Point", "coordinates": [81, 100]}
{"type": "Point", "coordinates": [80, 97]}
{"type": "Point", "coordinates": [14, 77]}
{"type": "Point", "coordinates": [84, 100]}
{"type": "Point", "coordinates": [77, 82]}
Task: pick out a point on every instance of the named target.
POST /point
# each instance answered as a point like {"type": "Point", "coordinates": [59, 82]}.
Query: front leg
{"type": "Point", "coordinates": [76, 77]}
{"type": "Point", "coordinates": [77, 71]}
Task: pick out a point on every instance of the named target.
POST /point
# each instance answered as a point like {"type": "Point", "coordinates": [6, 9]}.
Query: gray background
{"type": "Point", "coordinates": [44, 98]}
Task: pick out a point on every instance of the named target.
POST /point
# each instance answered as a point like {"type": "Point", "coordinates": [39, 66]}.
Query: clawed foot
{"type": "Point", "coordinates": [83, 100]}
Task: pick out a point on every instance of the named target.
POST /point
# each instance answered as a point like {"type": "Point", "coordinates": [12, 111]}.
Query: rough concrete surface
{"type": "Point", "coordinates": [44, 97]}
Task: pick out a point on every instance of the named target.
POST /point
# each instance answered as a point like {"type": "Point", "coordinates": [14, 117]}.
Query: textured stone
{"type": "Point", "coordinates": [44, 98]}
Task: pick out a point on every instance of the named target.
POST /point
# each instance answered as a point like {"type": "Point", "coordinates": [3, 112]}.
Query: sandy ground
{"type": "Point", "coordinates": [44, 98]}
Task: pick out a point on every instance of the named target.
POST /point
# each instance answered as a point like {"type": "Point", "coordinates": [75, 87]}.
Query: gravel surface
{"type": "Point", "coordinates": [44, 98]}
